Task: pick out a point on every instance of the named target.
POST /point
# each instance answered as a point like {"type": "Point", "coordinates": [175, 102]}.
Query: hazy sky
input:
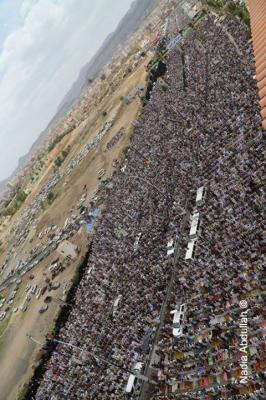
{"type": "Point", "coordinates": [43, 45]}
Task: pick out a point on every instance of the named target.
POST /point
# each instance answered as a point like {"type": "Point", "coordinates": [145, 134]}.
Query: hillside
{"type": "Point", "coordinates": [129, 23]}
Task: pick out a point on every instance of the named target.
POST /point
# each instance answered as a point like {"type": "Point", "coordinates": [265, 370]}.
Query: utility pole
{"type": "Point", "coordinates": [147, 182]}
{"type": "Point", "coordinates": [137, 152]}
{"type": "Point", "coordinates": [34, 340]}
{"type": "Point", "coordinates": [60, 301]}
{"type": "Point", "coordinates": [96, 357]}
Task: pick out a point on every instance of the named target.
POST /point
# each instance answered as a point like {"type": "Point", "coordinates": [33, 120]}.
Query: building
{"type": "Point", "coordinates": [257, 10]}
{"type": "Point", "coordinates": [191, 9]}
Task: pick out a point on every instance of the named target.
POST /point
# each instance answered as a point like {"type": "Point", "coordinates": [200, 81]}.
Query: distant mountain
{"type": "Point", "coordinates": [23, 159]}
{"type": "Point", "coordinates": [21, 162]}
{"type": "Point", "coordinates": [3, 184]}
{"type": "Point", "coordinates": [88, 70]}
{"type": "Point", "coordinates": [129, 24]}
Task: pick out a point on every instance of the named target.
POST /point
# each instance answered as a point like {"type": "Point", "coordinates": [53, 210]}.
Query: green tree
{"type": "Point", "coordinates": [50, 197]}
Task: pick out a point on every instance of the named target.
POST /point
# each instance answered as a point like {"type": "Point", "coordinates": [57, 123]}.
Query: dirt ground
{"type": "Point", "coordinates": [17, 353]}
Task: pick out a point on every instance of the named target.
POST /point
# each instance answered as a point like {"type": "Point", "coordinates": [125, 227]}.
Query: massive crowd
{"type": "Point", "coordinates": [228, 268]}
{"type": "Point", "coordinates": [204, 130]}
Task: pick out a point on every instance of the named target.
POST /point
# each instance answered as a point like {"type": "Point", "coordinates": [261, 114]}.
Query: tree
{"type": "Point", "coordinates": [58, 161]}
{"type": "Point", "coordinates": [21, 196]}
{"type": "Point", "coordinates": [64, 153]}
{"type": "Point", "coordinates": [50, 197]}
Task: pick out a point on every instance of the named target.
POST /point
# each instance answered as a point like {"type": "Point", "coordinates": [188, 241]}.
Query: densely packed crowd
{"type": "Point", "coordinates": [228, 267]}
{"type": "Point", "coordinates": [207, 135]}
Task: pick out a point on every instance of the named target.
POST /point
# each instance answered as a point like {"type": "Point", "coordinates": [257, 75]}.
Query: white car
{"type": "Point", "coordinates": [28, 297]}
{"type": "Point", "coordinates": [55, 285]}
{"type": "Point", "coordinates": [33, 289]}
{"type": "Point", "coordinates": [43, 308]}
{"type": "Point", "coordinates": [2, 315]}
{"type": "Point", "coordinates": [178, 320]}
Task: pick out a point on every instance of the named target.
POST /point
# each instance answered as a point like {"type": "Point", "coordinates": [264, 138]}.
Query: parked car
{"type": "Point", "coordinates": [43, 290]}
{"type": "Point", "coordinates": [33, 289]}
{"type": "Point", "coordinates": [54, 285]}
{"type": "Point", "coordinates": [101, 173]}
{"type": "Point", "coordinates": [2, 315]}
{"type": "Point", "coordinates": [43, 308]}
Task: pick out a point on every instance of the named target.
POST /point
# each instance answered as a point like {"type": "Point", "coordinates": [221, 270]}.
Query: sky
{"type": "Point", "coordinates": [43, 46]}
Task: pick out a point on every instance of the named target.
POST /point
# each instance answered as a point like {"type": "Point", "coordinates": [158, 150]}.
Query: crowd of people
{"type": "Point", "coordinates": [204, 130]}
{"type": "Point", "coordinates": [228, 269]}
